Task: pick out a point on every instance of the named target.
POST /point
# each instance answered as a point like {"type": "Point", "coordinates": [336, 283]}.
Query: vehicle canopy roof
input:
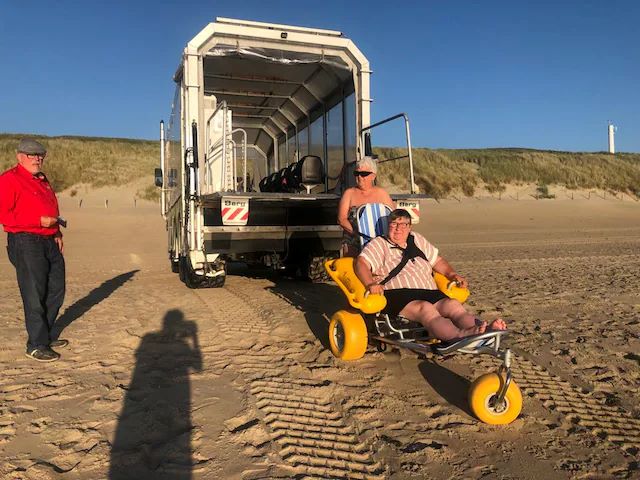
{"type": "Point", "coordinates": [276, 76]}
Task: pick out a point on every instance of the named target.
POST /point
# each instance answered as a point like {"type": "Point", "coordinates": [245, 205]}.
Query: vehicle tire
{"type": "Point", "coordinates": [191, 281]}
{"type": "Point", "coordinates": [482, 395]}
{"type": "Point", "coordinates": [348, 335]}
{"type": "Point", "coordinates": [181, 268]}
{"type": "Point", "coordinates": [187, 275]}
{"type": "Point", "coordinates": [315, 270]}
{"type": "Point", "coordinates": [175, 266]}
{"type": "Point", "coordinates": [217, 282]}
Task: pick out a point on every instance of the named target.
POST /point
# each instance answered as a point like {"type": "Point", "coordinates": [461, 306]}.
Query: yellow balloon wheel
{"type": "Point", "coordinates": [347, 335]}
{"type": "Point", "coordinates": [483, 400]}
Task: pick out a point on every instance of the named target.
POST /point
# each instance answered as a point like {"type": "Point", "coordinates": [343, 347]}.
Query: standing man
{"type": "Point", "coordinates": [30, 216]}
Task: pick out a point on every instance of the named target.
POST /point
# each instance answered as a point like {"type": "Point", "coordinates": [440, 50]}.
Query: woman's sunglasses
{"type": "Point", "coordinates": [362, 174]}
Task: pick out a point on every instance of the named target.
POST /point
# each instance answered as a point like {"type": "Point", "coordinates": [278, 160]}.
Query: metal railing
{"type": "Point", "coordinates": [364, 130]}
{"type": "Point", "coordinates": [244, 160]}
{"type": "Point", "coordinates": [211, 147]}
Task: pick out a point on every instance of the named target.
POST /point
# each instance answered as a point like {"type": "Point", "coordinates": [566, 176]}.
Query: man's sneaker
{"type": "Point", "coordinates": [44, 354]}
{"type": "Point", "coordinates": [59, 343]}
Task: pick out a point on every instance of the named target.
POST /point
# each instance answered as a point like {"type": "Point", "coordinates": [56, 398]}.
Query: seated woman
{"type": "Point", "coordinates": [399, 267]}
{"type": "Point", "coordinates": [364, 192]}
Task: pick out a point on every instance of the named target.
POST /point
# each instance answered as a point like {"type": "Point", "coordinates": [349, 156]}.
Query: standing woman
{"type": "Point", "coordinates": [364, 192]}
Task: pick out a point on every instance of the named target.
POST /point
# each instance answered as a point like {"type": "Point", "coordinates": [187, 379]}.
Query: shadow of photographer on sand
{"type": "Point", "coordinates": [153, 436]}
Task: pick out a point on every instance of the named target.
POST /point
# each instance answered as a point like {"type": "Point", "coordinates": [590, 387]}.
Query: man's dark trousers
{"type": "Point", "coordinates": [41, 277]}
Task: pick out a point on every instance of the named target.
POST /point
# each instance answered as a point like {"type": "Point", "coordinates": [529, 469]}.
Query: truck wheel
{"type": "Point", "coordinates": [192, 280]}
{"type": "Point", "coordinates": [315, 269]}
{"type": "Point", "coordinates": [217, 282]}
{"type": "Point", "coordinates": [175, 266]}
{"type": "Point", "coordinates": [348, 335]}
{"type": "Point", "coordinates": [482, 396]}
{"type": "Point", "coordinates": [181, 268]}
{"type": "Point", "coordinates": [187, 275]}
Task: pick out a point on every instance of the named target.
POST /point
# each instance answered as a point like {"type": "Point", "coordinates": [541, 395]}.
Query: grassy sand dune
{"type": "Point", "coordinates": [89, 160]}
{"type": "Point", "coordinates": [441, 173]}
{"type": "Point", "coordinates": [100, 162]}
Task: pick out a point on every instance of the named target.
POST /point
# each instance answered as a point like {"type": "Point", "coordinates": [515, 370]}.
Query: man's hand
{"type": "Point", "coordinates": [47, 222]}
{"type": "Point", "coordinates": [60, 243]}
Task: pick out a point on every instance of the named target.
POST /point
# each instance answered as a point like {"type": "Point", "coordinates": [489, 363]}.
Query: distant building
{"type": "Point", "coordinates": [612, 147]}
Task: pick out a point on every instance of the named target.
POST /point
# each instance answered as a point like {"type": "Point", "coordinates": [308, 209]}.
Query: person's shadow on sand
{"type": "Point", "coordinates": [94, 297]}
{"type": "Point", "coordinates": [153, 436]}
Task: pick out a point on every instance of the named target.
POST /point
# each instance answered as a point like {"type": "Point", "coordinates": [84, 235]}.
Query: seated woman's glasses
{"type": "Point", "coordinates": [399, 225]}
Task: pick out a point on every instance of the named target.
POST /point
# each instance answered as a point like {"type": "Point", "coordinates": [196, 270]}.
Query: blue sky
{"type": "Point", "coordinates": [470, 74]}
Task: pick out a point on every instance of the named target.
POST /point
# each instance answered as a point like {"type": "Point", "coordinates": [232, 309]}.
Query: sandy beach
{"type": "Point", "coordinates": [163, 382]}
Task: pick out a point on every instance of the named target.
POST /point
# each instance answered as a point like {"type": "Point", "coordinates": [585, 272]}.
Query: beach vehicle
{"type": "Point", "coordinates": [266, 123]}
{"type": "Point", "coordinates": [493, 397]}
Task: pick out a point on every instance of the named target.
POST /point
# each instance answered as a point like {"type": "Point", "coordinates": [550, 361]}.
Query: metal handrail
{"type": "Point", "coordinates": [244, 153]}
{"type": "Point", "coordinates": [222, 105]}
{"type": "Point", "coordinates": [408, 134]}
{"type": "Point", "coordinates": [233, 164]}
{"type": "Point", "coordinates": [163, 193]}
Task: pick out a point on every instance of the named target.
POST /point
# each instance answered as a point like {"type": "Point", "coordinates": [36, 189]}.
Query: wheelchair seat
{"type": "Point", "coordinates": [372, 220]}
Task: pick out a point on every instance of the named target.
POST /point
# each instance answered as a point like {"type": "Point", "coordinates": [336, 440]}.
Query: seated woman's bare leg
{"type": "Point", "coordinates": [454, 310]}
{"type": "Point", "coordinates": [444, 329]}
{"type": "Point", "coordinates": [437, 325]}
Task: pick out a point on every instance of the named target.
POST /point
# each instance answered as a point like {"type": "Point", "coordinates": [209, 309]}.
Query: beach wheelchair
{"type": "Point", "coordinates": [494, 397]}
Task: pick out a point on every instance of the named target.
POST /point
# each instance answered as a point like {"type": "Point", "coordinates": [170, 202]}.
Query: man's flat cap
{"type": "Point", "coordinates": [31, 147]}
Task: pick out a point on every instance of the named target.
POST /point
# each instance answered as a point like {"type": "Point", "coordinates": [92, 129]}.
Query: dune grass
{"type": "Point", "coordinates": [88, 160]}
{"type": "Point", "coordinates": [443, 172]}
{"type": "Point", "coordinates": [438, 173]}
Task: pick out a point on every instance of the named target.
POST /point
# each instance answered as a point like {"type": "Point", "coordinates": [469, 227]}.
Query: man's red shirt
{"type": "Point", "coordinates": [24, 198]}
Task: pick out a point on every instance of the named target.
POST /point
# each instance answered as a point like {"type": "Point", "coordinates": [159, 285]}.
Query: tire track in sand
{"type": "Point", "coordinates": [582, 409]}
{"type": "Point", "coordinates": [311, 435]}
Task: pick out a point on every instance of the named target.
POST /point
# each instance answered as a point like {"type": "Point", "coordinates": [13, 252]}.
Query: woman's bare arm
{"type": "Point", "coordinates": [343, 211]}
{"type": "Point", "coordinates": [443, 267]}
{"type": "Point", "coordinates": [387, 199]}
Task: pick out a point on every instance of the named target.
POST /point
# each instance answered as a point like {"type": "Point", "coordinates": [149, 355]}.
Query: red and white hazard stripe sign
{"type": "Point", "coordinates": [413, 207]}
{"type": "Point", "coordinates": [234, 210]}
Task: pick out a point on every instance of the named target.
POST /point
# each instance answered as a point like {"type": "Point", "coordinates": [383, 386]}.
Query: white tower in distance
{"type": "Point", "coordinates": [612, 146]}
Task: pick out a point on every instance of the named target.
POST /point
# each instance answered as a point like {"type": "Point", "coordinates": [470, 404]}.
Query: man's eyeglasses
{"type": "Point", "coordinates": [362, 174]}
{"type": "Point", "coordinates": [36, 155]}
{"type": "Point", "coordinates": [399, 225]}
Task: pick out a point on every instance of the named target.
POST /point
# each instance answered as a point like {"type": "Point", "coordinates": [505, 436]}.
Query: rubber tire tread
{"type": "Point", "coordinates": [355, 335]}
{"type": "Point", "coordinates": [483, 388]}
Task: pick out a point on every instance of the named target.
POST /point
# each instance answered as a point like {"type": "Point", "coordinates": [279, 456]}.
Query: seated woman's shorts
{"type": "Point", "coordinates": [398, 298]}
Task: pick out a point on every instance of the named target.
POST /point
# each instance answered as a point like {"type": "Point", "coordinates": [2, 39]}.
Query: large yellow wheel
{"type": "Point", "coordinates": [347, 335]}
{"type": "Point", "coordinates": [482, 399]}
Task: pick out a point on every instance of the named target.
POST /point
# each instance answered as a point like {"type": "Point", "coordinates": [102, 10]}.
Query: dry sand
{"type": "Point", "coordinates": [162, 382]}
